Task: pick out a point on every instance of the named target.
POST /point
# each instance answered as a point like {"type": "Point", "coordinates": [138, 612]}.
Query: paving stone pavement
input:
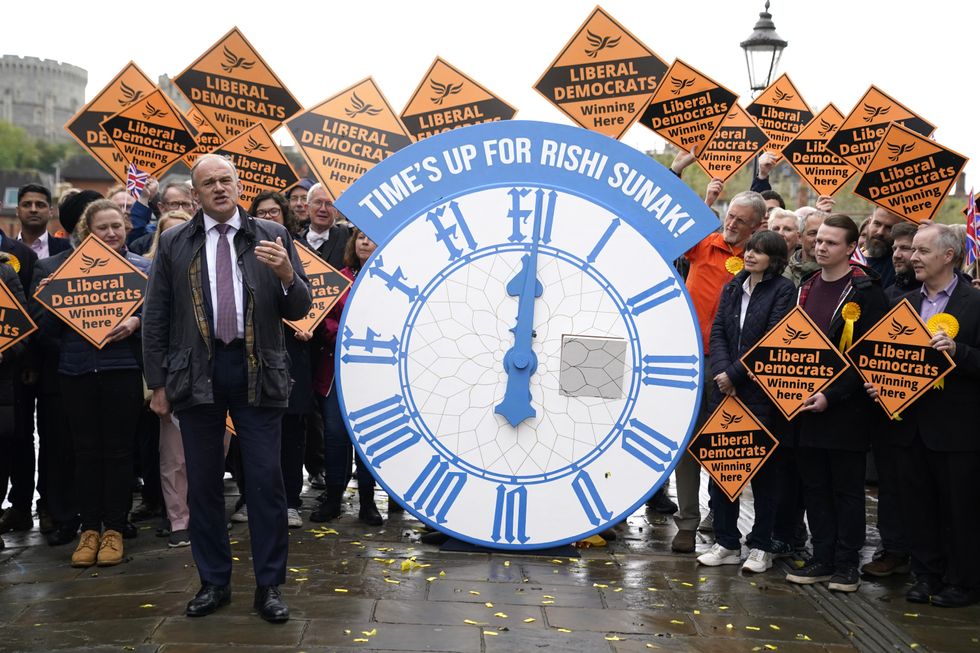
{"type": "Point", "coordinates": [356, 588]}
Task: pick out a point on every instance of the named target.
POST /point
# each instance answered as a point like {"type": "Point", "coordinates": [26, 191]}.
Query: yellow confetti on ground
{"type": "Point", "coordinates": [547, 596]}
{"type": "Point", "coordinates": [370, 633]}
{"type": "Point", "coordinates": [488, 604]}
{"type": "Point", "coordinates": [686, 584]}
{"type": "Point", "coordinates": [599, 585]}
{"type": "Point", "coordinates": [677, 621]}
{"type": "Point", "coordinates": [652, 589]}
{"type": "Point", "coordinates": [475, 623]}
{"type": "Point", "coordinates": [564, 630]}
{"type": "Point", "coordinates": [430, 579]}
{"type": "Point", "coordinates": [148, 605]}
{"type": "Point", "coordinates": [729, 626]}
{"type": "Point", "coordinates": [911, 614]}
{"type": "Point", "coordinates": [913, 645]}
{"type": "Point", "coordinates": [805, 638]}
{"type": "Point", "coordinates": [507, 563]}
{"type": "Point", "coordinates": [235, 558]}
{"type": "Point", "coordinates": [474, 593]}
{"type": "Point", "coordinates": [774, 626]}
{"type": "Point", "coordinates": [294, 570]}
{"type": "Point", "coordinates": [492, 633]}
{"type": "Point", "coordinates": [442, 573]}
{"type": "Point", "coordinates": [618, 589]}
{"type": "Point", "coordinates": [547, 602]}
{"type": "Point", "coordinates": [393, 581]}
{"type": "Point", "coordinates": [340, 589]}
{"type": "Point", "coordinates": [771, 647]}
{"type": "Point", "coordinates": [361, 640]}
{"type": "Point", "coordinates": [500, 615]}
{"type": "Point", "coordinates": [752, 628]}
{"type": "Point", "coordinates": [302, 580]}
{"type": "Point", "coordinates": [530, 620]}
{"type": "Point", "coordinates": [557, 561]}
{"type": "Point", "coordinates": [722, 607]}
{"type": "Point", "coordinates": [697, 612]}
{"type": "Point", "coordinates": [613, 638]}
{"type": "Point", "coordinates": [347, 631]}
{"type": "Point", "coordinates": [355, 542]}
{"type": "Point", "coordinates": [233, 542]}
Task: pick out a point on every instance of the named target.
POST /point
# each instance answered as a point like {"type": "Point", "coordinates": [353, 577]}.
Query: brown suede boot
{"type": "Point", "coordinates": [87, 549]}
{"type": "Point", "coordinates": [111, 549]}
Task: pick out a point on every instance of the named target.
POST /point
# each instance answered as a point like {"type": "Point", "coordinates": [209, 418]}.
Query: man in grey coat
{"type": "Point", "coordinates": [212, 340]}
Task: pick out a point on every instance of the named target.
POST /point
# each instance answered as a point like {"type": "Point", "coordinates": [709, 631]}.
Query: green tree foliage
{"type": "Point", "coordinates": [19, 151]}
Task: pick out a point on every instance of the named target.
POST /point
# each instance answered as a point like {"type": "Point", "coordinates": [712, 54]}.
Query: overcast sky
{"type": "Point", "coordinates": [924, 54]}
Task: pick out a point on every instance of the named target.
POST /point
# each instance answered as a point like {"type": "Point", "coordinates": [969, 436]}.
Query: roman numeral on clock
{"type": "Point", "coordinates": [510, 515]}
{"type": "Point", "coordinates": [647, 445]}
{"type": "Point", "coordinates": [595, 510]}
{"type": "Point", "coordinates": [653, 296]}
{"type": "Point", "coordinates": [435, 490]}
{"type": "Point", "coordinates": [448, 234]}
{"type": "Point", "coordinates": [384, 429]}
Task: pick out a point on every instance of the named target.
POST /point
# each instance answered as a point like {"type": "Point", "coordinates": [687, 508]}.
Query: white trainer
{"type": "Point", "coordinates": [293, 520]}
{"type": "Point", "coordinates": [759, 561]}
{"type": "Point", "coordinates": [718, 555]}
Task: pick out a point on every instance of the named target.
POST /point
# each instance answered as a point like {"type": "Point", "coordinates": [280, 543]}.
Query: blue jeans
{"type": "Point", "coordinates": [338, 451]}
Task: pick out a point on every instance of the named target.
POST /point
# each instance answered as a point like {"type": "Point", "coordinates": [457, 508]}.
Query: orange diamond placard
{"type": "Point", "coordinates": [909, 174]}
{"type": "Point", "coordinates": [688, 107]}
{"type": "Point", "coordinates": [446, 99]}
{"type": "Point", "coordinates": [604, 77]}
{"type": "Point", "coordinates": [732, 446]}
{"type": "Point", "coordinates": [234, 88]}
{"type": "Point", "coordinates": [150, 133]}
{"type": "Point", "coordinates": [345, 135]}
{"type": "Point", "coordinates": [260, 163]}
{"type": "Point", "coordinates": [130, 85]}
{"type": "Point", "coordinates": [327, 284]}
{"type": "Point", "coordinates": [794, 361]}
{"type": "Point", "coordinates": [867, 123]}
{"type": "Point", "coordinates": [737, 140]}
{"type": "Point", "coordinates": [824, 171]}
{"type": "Point", "coordinates": [94, 290]}
{"type": "Point", "coordinates": [15, 322]}
{"type": "Point", "coordinates": [207, 137]}
{"type": "Point", "coordinates": [781, 113]}
{"type": "Point", "coordinates": [896, 358]}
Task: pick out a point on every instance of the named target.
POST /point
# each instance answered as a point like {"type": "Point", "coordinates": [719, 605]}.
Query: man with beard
{"type": "Point", "coordinates": [879, 244]}
{"type": "Point", "coordinates": [905, 281]}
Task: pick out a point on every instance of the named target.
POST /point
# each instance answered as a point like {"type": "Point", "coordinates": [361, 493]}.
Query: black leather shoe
{"type": "Point", "coordinates": [953, 596]}
{"type": "Point", "coordinates": [661, 503]}
{"type": "Point", "coordinates": [923, 589]}
{"type": "Point", "coordinates": [369, 514]}
{"type": "Point", "coordinates": [208, 599]}
{"type": "Point", "coordinates": [129, 531]}
{"type": "Point", "coordinates": [64, 533]}
{"type": "Point", "coordinates": [269, 604]}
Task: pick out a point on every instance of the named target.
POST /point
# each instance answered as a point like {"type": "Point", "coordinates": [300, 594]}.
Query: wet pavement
{"type": "Point", "coordinates": [356, 588]}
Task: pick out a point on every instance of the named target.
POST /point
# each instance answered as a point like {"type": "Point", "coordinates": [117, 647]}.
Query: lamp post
{"type": "Point", "coordinates": [763, 49]}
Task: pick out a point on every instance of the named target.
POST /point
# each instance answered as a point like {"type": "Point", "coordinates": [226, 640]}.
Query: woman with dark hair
{"type": "Point", "coordinates": [270, 205]}
{"type": "Point", "coordinates": [337, 448]}
{"type": "Point", "coordinates": [750, 305]}
{"type": "Point", "coordinates": [102, 392]}
{"type": "Point", "coordinates": [273, 206]}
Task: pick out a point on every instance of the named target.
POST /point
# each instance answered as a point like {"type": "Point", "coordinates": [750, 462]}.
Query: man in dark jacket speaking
{"type": "Point", "coordinates": [213, 344]}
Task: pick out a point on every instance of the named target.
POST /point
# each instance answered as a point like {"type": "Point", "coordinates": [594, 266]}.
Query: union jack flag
{"type": "Point", "coordinates": [135, 180]}
{"type": "Point", "coordinates": [859, 257]}
{"type": "Point", "coordinates": [972, 231]}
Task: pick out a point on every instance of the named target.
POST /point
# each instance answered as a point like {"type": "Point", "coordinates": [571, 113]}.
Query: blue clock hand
{"type": "Point", "coordinates": [520, 361]}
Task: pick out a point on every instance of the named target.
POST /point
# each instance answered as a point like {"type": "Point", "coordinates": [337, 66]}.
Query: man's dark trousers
{"type": "Point", "coordinates": [202, 429]}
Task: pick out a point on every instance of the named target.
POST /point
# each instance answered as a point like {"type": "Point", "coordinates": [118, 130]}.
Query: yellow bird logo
{"type": "Point", "coordinates": [728, 419]}
{"type": "Point", "coordinates": [898, 149]}
{"type": "Point", "coordinates": [359, 106]}
{"type": "Point", "coordinates": [599, 43]}
{"type": "Point", "coordinates": [253, 146]}
{"type": "Point", "coordinates": [899, 329]}
{"type": "Point", "coordinates": [826, 128]}
{"type": "Point", "coordinates": [779, 96]}
{"type": "Point", "coordinates": [680, 84]}
{"type": "Point", "coordinates": [233, 61]}
{"type": "Point", "coordinates": [443, 91]}
{"type": "Point", "coordinates": [129, 94]}
{"type": "Point", "coordinates": [151, 112]}
{"type": "Point", "coordinates": [91, 263]}
{"type": "Point", "coordinates": [793, 335]}
{"type": "Point", "coordinates": [872, 112]}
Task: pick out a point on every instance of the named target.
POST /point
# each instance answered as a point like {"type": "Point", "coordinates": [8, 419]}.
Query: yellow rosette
{"type": "Point", "coordinates": [734, 265]}
{"type": "Point", "coordinates": [12, 261]}
{"type": "Point", "coordinates": [851, 313]}
{"type": "Point", "coordinates": [943, 323]}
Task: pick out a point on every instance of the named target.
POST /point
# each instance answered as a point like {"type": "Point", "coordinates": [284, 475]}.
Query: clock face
{"type": "Point", "coordinates": [518, 364]}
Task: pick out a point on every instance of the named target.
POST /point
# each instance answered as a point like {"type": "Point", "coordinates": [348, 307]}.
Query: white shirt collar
{"type": "Point", "coordinates": [235, 222]}
{"type": "Point", "coordinates": [316, 239]}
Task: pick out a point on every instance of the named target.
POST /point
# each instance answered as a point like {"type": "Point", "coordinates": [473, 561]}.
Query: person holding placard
{"type": "Point", "coordinates": [10, 371]}
{"type": "Point", "coordinates": [939, 459]}
{"type": "Point", "coordinates": [751, 304]}
{"type": "Point", "coordinates": [102, 393]}
{"type": "Point", "coordinates": [844, 300]}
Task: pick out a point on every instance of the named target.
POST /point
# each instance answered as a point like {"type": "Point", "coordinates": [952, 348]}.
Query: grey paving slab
{"type": "Point", "coordinates": [119, 606]}
{"type": "Point", "coordinates": [401, 637]}
{"type": "Point", "coordinates": [229, 627]}
{"type": "Point", "coordinates": [78, 635]}
{"type": "Point", "coordinates": [621, 621]}
{"type": "Point", "coordinates": [498, 615]}
{"type": "Point", "coordinates": [514, 593]}
{"type": "Point", "coordinates": [547, 641]}
{"type": "Point", "coordinates": [767, 629]}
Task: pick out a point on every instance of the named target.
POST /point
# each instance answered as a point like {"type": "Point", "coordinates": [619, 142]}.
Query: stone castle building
{"type": "Point", "coordinates": [40, 95]}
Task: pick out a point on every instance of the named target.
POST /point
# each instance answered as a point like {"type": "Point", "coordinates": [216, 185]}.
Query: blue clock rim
{"type": "Point", "coordinates": [616, 519]}
{"type": "Point", "coordinates": [618, 425]}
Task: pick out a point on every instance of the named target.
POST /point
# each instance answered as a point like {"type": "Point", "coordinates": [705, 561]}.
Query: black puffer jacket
{"type": "Point", "coordinates": [850, 416]}
{"type": "Point", "coordinates": [771, 299]}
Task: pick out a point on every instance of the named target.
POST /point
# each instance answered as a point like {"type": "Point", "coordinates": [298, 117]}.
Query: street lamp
{"type": "Point", "coordinates": [763, 49]}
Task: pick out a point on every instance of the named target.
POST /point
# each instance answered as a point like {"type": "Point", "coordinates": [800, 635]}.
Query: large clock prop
{"type": "Point", "coordinates": [519, 362]}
